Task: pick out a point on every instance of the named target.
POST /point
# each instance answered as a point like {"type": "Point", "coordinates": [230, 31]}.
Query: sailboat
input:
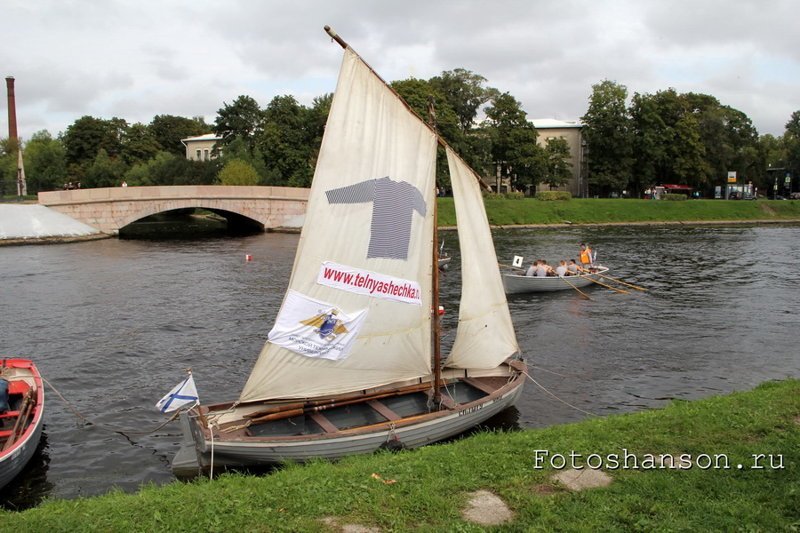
{"type": "Point", "coordinates": [353, 362]}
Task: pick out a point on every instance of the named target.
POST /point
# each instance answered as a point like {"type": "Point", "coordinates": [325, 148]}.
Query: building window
{"type": "Point", "coordinates": [205, 155]}
{"type": "Point", "coordinates": [198, 156]}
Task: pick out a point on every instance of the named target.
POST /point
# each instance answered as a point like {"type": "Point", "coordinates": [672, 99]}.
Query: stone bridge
{"type": "Point", "coordinates": [110, 209]}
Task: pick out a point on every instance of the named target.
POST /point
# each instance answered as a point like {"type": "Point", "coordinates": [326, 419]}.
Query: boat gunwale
{"type": "Point", "coordinates": [583, 275]}
{"type": "Point", "coordinates": [514, 382]}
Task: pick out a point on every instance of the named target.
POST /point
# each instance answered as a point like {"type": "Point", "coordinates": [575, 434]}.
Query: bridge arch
{"type": "Point", "coordinates": [109, 209]}
{"type": "Point", "coordinates": [233, 217]}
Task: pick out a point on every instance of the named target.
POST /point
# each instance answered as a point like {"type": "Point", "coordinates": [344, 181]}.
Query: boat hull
{"type": "Point", "coordinates": [15, 456]}
{"type": "Point", "coordinates": [517, 284]}
{"type": "Point", "coordinates": [404, 433]}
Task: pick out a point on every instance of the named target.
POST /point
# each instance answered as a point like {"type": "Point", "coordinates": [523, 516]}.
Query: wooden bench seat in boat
{"type": "Point", "coordinates": [9, 414]}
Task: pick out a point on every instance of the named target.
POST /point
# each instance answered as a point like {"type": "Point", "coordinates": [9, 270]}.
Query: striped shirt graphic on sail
{"type": "Point", "coordinates": [394, 203]}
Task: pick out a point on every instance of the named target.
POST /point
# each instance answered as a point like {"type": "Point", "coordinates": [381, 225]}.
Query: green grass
{"type": "Point", "coordinates": [432, 483]}
{"type": "Point", "coordinates": [14, 199]}
{"type": "Point", "coordinates": [503, 211]}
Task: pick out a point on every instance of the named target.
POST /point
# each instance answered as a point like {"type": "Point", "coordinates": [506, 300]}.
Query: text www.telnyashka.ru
{"type": "Point", "coordinates": [630, 461]}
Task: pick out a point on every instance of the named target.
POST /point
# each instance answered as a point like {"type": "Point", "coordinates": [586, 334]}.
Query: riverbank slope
{"type": "Point", "coordinates": [35, 224]}
{"type": "Point", "coordinates": [529, 211]}
{"type": "Point", "coordinates": [428, 488]}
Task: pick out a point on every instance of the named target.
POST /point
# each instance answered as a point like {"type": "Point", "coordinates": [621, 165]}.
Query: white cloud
{"type": "Point", "coordinates": [137, 60]}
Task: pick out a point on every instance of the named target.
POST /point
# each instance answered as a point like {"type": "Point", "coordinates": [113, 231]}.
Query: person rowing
{"type": "Point", "coordinates": [561, 269]}
{"type": "Point", "coordinates": [542, 269]}
{"type": "Point", "coordinates": [572, 268]}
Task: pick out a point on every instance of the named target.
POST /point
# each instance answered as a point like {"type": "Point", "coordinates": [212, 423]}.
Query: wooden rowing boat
{"type": "Point", "coordinates": [21, 415]}
{"type": "Point", "coordinates": [519, 283]}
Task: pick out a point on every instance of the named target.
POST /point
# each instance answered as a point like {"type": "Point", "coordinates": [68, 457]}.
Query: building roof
{"type": "Point", "coordinates": [204, 137]}
{"type": "Point", "coordinates": [552, 123]}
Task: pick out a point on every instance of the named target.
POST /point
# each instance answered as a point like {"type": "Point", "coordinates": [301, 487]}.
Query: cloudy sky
{"type": "Point", "coordinates": [137, 59]}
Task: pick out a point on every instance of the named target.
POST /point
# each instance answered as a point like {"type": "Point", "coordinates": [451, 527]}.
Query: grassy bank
{"type": "Point", "coordinates": [432, 483]}
{"type": "Point", "coordinates": [503, 212]}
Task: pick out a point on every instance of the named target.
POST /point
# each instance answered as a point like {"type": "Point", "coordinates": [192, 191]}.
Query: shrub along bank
{"type": "Point", "coordinates": [504, 211]}
{"type": "Point", "coordinates": [426, 489]}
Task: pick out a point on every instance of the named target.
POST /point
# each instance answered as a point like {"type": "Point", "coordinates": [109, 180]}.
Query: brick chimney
{"type": "Point", "coordinates": [12, 109]}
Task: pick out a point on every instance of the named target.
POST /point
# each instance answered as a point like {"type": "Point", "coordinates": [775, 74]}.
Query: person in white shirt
{"type": "Point", "coordinates": [561, 269]}
{"type": "Point", "coordinates": [541, 268]}
{"type": "Point", "coordinates": [531, 269]}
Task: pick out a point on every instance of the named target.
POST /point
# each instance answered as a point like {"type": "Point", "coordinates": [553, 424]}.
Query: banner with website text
{"type": "Point", "coordinates": [372, 284]}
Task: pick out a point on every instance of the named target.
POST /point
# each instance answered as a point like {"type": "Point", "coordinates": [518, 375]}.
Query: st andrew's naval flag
{"type": "Point", "coordinates": [314, 328]}
{"type": "Point", "coordinates": [184, 393]}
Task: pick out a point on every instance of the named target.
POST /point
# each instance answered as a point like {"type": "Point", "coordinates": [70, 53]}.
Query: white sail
{"type": "Point", "coordinates": [485, 336]}
{"type": "Point", "coordinates": [367, 243]}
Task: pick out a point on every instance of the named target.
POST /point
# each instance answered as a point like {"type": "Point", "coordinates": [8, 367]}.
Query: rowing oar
{"type": "Point", "coordinates": [631, 285]}
{"type": "Point", "coordinates": [574, 287]}
{"type": "Point", "coordinates": [590, 278]}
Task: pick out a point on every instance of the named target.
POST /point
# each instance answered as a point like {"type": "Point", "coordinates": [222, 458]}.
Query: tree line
{"type": "Point", "coordinates": [682, 138]}
{"type": "Point", "coordinates": [632, 144]}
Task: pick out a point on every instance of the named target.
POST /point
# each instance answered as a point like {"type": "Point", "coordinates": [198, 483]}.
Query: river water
{"type": "Point", "coordinates": [113, 324]}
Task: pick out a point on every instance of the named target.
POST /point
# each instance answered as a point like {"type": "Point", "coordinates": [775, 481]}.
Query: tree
{"type": "Point", "coordinates": [650, 138]}
{"type": "Point", "coordinates": [464, 93]}
{"type": "Point", "coordinates": [687, 154]}
{"type": "Point", "coordinates": [607, 130]}
{"type": "Point", "coordinates": [557, 164]}
{"type": "Point", "coordinates": [742, 138]}
{"type": "Point", "coordinates": [285, 141]}
{"type": "Point", "coordinates": [238, 172]}
{"type": "Point", "coordinates": [169, 130]}
{"type": "Point", "coordinates": [433, 108]}
{"type": "Point", "coordinates": [138, 144]}
{"type": "Point", "coordinates": [104, 171]}
{"type": "Point", "coordinates": [513, 142]}
{"type": "Point", "coordinates": [45, 165]}
{"type": "Point", "coordinates": [238, 149]}
{"type": "Point", "coordinates": [316, 119]}
{"type": "Point", "coordinates": [8, 167]}
{"type": "Point", "coordinates": [84, 139]}
{"type": "Point", "coordinates": [791, 141]}
{"type": "Point", "coordinates": [168, 169]}
{"type": "Point", "coordinates": [243, 118]}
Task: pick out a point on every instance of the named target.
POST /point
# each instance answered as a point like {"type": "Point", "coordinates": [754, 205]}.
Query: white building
{"type": "Point", "coordinates": [550, 128]}
{"type": "Point", "coordinates": [201, 147]}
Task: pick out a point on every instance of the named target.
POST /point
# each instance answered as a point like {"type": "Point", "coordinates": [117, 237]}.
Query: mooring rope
{"type": "Point", "coordinates": [556, 397]}
{"type": "Point", "coordinates": [122, 431]}
{"type": "Point", "coordinates": [548, 371]}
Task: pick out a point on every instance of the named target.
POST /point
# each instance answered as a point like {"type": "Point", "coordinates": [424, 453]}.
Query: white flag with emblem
{"type": "Point", "coordinates": [315, 328]}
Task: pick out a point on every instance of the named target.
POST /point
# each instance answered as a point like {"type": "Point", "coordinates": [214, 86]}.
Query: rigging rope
{"type": "Point", "coordinates": [556, 397]}
{"type": "Point", "coordinates": [122, 431]}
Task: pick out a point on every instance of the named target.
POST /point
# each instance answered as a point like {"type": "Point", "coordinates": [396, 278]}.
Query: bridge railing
{"type": "Point", "coordinates": [171, 192]}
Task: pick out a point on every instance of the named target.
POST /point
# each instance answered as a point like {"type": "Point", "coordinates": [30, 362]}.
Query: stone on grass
{"type": "Point", "coordinates": [486, 509]}
{"type": "Point", "coordinates": [587, 478]}
{"type": "Point", "coordinates": [332, 522]}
